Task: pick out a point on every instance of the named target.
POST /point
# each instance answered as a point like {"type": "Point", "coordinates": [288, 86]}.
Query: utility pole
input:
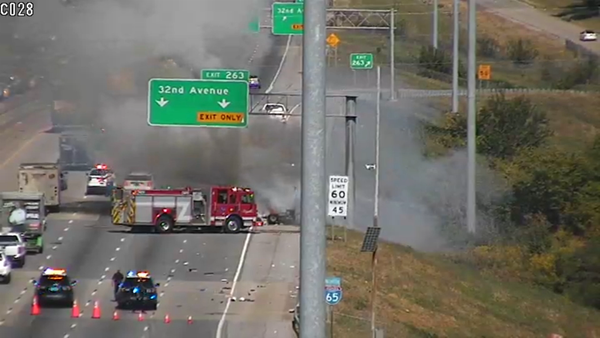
{"type": "Point", "coordinates": [471, 120]}
{"type": "Point", "coordinates": [376, 203]}
{"type": "Point", "coordinates": [392, 55]}
{"type": "Point", "coordinates": [455, 55]}
{"type": "Point", "coordinates": [313, 197]}
{"type": "Point", "coordinates": [435, 24]}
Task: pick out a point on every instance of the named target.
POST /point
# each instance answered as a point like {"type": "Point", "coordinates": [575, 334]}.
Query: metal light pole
{"type": "Point", "coordinates": [455, 55]}
{"type": "Point", "coordinates": [435, 24]}
{"type": "Point", "coordinates": [376, 202]}
{"type": "Point", "coordinates": [392, 55]}
{"type": "Point", "coordinates": [313, 196]}
{"type": "Point", "coordinates": [471, 119]}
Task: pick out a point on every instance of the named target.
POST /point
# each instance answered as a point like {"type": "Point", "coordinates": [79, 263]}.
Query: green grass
{"type": "Point", "coordinates": [414, 22]}
{"type": "Point", "coordinates": [427, 295]}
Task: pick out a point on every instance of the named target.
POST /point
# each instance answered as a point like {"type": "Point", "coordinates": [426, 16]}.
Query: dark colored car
{"type": "Point", "coordinates": [54, 287]}
{"type": "Point", "coordinates": [254, 82]}
{"type": "Point", "coordinates": [137, 291]}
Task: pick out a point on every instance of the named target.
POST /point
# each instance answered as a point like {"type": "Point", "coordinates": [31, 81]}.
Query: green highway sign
{"type": "Point", "coordinates": [254, 25]}
{"type": "Point", "coordinates": [361, 61]}
{"type": "Point", "coordinates": [225, 74]}
{"type": "Point", "coordinates": [198, 103]}
{"type": "Point", "coordinates": [287, 18]}
{"type": "Point", "coordinates": [300, 1]}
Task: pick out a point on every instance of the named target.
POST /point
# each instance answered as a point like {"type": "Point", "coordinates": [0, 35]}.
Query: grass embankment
{"type": "Point", "coordinates": [573, 117]}
{"type": "Point", "coordinates": [495, 34]}
{"type": "Point", "coordinates": [573, 11]}
{"type": "Point", "coordinates": [427, 295]}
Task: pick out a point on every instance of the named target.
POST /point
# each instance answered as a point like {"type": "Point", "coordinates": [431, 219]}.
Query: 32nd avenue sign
{"type": "Point", "coordinates": [198, 103]}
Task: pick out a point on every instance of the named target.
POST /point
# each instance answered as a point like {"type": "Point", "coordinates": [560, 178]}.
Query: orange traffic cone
{"type": "Point", "coordinates": [116, 315]}
{"type": "Point", "coordinates": [35, 307]}
{"type": "Point", "coordinates": [75, 312]}
{"type": "Point", "coordinates": [141, 317]}
{"type": "Point", "coordinates": [96, 311]}
{"type": "Point", "coordinates": [167, 319]}
{"type": "Point", "coordinates": [189, 321]}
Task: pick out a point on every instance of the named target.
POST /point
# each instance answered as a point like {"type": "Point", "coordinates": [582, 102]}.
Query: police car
{"type": "Point", "coordinates": [54, 287]}
{"type": "Point", "coordinates": [137, 291]}
{"type": "Point", "coordinates": [100, 180]}
{"type": "Point", "coordinates": [5, 269]}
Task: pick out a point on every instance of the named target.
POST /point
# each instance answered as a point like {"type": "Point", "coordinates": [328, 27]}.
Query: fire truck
{"type": "Point", "coordinates": [164, 210]}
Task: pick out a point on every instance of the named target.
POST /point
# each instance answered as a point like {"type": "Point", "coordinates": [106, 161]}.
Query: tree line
{"type": "Point", "coordinates": [548, 221]}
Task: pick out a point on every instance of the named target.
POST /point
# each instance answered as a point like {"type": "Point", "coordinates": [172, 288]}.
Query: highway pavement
{"type": "Point", "coordinates": [193, 269]}
{"type": "Point", "coordinates": [537, 20]}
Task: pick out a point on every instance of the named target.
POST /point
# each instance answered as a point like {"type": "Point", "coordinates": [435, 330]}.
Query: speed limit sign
{"type": "Point", "coordinates": [338, 196]}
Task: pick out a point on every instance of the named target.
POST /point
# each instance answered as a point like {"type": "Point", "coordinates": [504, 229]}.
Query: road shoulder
{"type": "Point", "coordinates": [267, 288]}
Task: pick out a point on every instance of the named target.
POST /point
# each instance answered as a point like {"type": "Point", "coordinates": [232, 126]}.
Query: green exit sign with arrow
{"type": "Point", "coordinates": [360, 61]}
{"type": "Point", "coordinates": [198, 103]}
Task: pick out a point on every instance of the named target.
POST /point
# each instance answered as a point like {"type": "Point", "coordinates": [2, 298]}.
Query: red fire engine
{"type": "Point", "coordinates": [231, 208]}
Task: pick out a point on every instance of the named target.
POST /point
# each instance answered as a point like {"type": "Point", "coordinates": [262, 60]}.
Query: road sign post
{"type": "Point", "coordinates": [338, 196]}
{"type": "Point", "coordinates": [287, 18]}
{"type": "Point", "coordinates": [359, 61]}
{"type": "Point", "coordinates": [225, 74]}
{"type": "Point", "coordinates": [198, 103]}
{"type": "Point", "coordinates": [333, 290]}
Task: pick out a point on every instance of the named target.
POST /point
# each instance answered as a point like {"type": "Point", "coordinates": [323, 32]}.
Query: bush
{"type": "Point", "coordinates": [504, 127]}
{"type": "Point", "coordinates": [582, 73]}
{"type": "Point", "coordinates": [488, 47]}
{"type": "Point", "coordinates": [436, 60]}
{"type": "Point", "coordinates": [521, 51]}
{"type": "Point", "coordinates": [582, 274]}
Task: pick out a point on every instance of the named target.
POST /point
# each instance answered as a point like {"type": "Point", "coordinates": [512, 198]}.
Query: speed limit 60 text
{"type": "Point", "coordinates": [338, 196]}
{"type": "Point", "coordinates": [16, 9]}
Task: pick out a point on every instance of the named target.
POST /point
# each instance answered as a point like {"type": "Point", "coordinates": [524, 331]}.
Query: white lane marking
{"type": "Point", "coordinates": [70, 221]}
{"type": "Point", "coordinates": [18, 299]}
{"type": "Point", "coordinates": [234, 284]}
{"type": "Point", "coordinates": [294, 108]}
{"type": "Point", "coordinates": [287, 47]}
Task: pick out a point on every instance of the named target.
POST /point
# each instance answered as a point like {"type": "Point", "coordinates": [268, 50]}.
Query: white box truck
{"type": "Point", "coordinates": [46, 178]}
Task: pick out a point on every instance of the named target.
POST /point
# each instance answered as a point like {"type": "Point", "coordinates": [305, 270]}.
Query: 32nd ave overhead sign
{"type": "Point", "coordinates": [198, 103]}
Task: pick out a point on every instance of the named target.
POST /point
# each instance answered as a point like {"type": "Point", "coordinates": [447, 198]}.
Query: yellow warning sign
{"type": "Point", "coordinates": [221, 118]}
{"type": "Point", "coordinates": [333, 40]}
{"type": "Point", "coordinates": [484, 72]}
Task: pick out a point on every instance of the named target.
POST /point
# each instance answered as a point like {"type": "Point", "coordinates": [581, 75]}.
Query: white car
{"type": "Point", "coordinates": [13, 247]}
{"type": "Point", "coordinates": [588, 36]}
{"type": "Point", "coordinates": [5, 269]}
{"type": "Point", "coordinates": [100, 180]}
{"type": "Point", "coordinates": [138, 181]}
{"type": "Point", "coordinates": [278, 110]}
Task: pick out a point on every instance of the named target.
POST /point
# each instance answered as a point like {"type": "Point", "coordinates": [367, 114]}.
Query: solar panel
{"type": "Point", "coordinates": [370, 240]}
